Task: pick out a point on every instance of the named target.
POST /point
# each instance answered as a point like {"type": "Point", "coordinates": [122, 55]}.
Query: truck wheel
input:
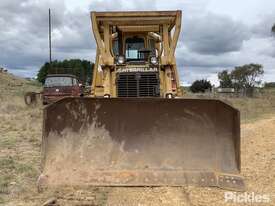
{"type": "Point", "coordinates": [30, 98]}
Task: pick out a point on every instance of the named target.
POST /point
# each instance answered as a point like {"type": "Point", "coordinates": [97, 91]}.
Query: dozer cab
{"type": "Point", "coordinates": [143, 133]}
{"type": "Point", "coordinates": [135, 55]}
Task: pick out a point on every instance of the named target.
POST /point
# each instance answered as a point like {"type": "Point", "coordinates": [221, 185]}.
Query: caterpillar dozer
{"type": "Point", "coordinates": [135, 128]}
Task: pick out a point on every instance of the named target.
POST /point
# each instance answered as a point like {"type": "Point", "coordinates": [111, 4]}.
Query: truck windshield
{"type": "Point", "coordinates": [133, 45]}
{"type": "Point", "coordinates": [59, 81]}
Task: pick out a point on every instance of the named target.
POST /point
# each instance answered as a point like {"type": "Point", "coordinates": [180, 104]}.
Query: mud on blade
{"type": "Point", "coordinates": [136, 142]}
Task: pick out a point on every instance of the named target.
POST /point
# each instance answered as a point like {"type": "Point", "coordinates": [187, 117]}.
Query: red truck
{"type": "Point", "coordinates": [58, 86]}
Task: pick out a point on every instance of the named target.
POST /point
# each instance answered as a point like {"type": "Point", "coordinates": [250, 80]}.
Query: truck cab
{"type": "Point", "coordinates": [58, 86]}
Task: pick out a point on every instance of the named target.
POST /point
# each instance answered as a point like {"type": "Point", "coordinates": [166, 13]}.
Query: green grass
{"type": "Point", "coordinates": [2, 201]}
{"type": "Point", "coordinates": [26, 169]}
{"type": "Point", "coordinates": [8, 143]}
{"type": "Point", "coordinates": [12, 171]}
{"type": "Point", "coordinates": [11, 166]}
{"type": "Point", "coordinates": [5, 180]}
{"type": "Point", "coordinates": [7, 163]}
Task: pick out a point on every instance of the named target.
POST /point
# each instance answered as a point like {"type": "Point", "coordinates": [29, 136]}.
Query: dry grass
{"type": "Point", "coordinates": [20, 133]}
{"type": "Point", "coordinates": [252, 109]}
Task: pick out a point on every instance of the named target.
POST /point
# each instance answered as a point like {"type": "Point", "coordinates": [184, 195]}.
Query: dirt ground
{"type": "Point", "coordinates": [20, 141]}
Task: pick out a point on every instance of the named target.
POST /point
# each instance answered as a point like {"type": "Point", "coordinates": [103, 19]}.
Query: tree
{"type": "Point", "coordinates": [269, 85]}
{"type": "Point", "coordinates": [43, 72]}
{"type": "Point", "coordinates": [83, 69]}
{"type": "Point", "coordinates": [200, 86]}
{"type": "Point", "coordinates": [247, 76]}
{"type": "Point", "coordinates": [242, 77]}
{"type": "Point", "coordinates": [225, 79]}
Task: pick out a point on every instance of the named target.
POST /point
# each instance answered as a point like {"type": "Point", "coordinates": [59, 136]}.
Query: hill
{"type": "Point", "coordinates": [11, 85]}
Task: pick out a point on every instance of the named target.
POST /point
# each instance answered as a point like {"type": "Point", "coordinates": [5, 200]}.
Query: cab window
{"type": "Point", "coordinates": [58, 81]}
{"type": "Point", "coordinates": [133, 45]}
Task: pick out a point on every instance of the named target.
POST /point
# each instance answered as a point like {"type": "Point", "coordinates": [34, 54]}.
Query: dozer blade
{"type": "Point", "coordinates": [141, 142]}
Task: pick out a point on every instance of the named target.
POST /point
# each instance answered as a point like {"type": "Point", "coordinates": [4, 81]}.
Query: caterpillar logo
{"type": "Point", "coordinates": [137, 69]}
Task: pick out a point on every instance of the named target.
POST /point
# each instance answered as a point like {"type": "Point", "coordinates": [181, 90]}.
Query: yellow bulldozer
{"type": "Point", "coordinates": [135, 129]}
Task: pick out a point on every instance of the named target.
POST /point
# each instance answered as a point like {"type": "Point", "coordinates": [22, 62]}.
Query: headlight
{"type": "Point", "coordinates": [153, 60]}
{"type": "Point", "coordinates": [121, 60]}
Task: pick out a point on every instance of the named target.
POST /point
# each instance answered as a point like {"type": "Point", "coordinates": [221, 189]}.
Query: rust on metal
{"type": "Point", "coordinates": [142, 142]}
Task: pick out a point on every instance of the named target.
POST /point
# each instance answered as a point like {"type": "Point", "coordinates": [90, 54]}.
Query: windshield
{"type": "Point", "coordinates": [60, 81]}
{"type": "Point", "coordinates": [133, 45]}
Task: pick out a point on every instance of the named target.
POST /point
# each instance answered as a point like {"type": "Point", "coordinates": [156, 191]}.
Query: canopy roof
{"type": "Point", "coordinates": [132, 21]}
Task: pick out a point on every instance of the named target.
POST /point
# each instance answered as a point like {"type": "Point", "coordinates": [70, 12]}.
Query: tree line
{"type": "Point", "coordinates": [241, 77]}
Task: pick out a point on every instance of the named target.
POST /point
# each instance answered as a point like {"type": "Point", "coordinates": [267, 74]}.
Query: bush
{"type": "Point", "coordinates": [200, 86]}
{"type": "Point", "coordinates": [269, 85]}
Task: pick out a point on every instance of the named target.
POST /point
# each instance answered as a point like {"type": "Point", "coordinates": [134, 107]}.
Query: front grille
{"type": "Point", "coordinates": [138, 84]}
{"type": "Point", "coordinates": [127, 85]}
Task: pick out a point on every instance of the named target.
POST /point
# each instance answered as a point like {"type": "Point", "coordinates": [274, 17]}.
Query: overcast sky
{"type": "Point", "coordinates": [216, 34]}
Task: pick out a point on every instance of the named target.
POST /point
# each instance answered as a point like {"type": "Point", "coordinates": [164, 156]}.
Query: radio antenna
{"type": "Point", "coordinates": [50, 38]}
